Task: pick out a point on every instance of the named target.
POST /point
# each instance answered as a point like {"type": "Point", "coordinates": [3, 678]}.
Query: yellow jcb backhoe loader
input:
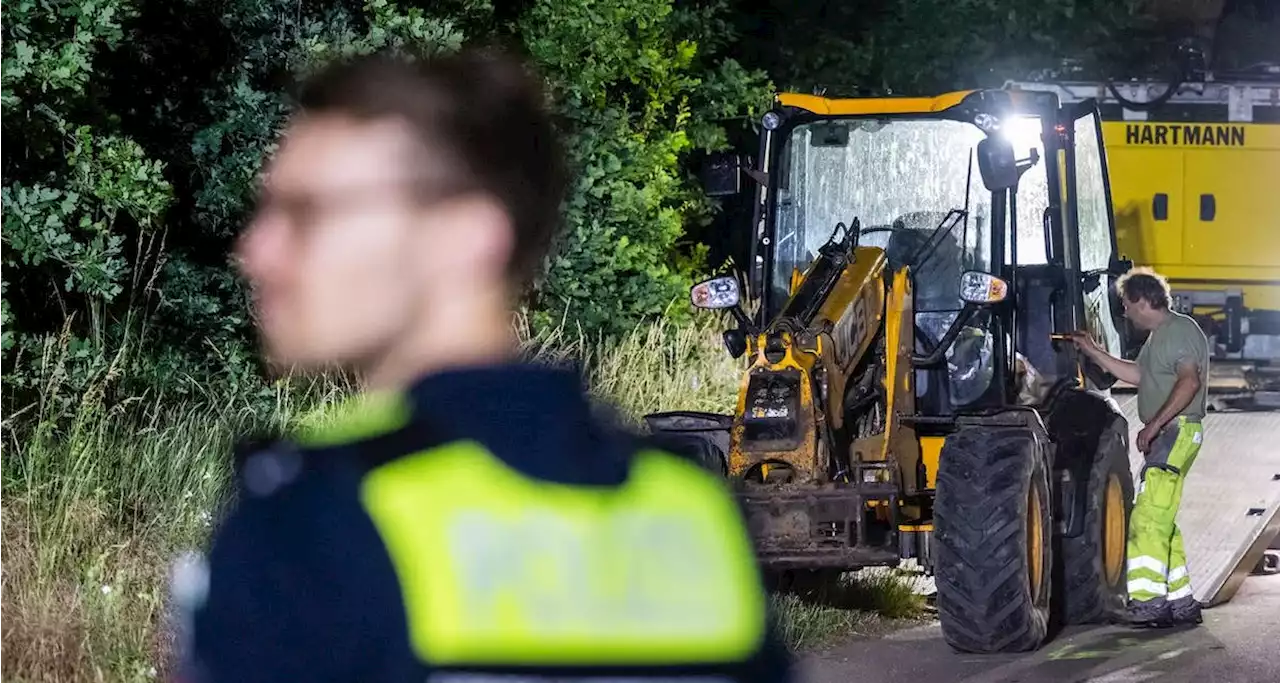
{"type": "Point", "coordinates": [914, 261]}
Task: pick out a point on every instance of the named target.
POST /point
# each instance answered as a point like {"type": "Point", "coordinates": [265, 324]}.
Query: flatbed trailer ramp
{"type": "Point", "coordinates": [1230, 510]}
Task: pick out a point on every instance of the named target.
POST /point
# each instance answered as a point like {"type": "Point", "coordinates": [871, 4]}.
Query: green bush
{"type": "Point", "coordinates": [135, 129]}
{"type": "Point", "coordinates": [638, 95]}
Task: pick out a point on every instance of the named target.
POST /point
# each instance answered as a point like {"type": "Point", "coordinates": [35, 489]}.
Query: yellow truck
{"type": "Point", "coordinates": [1195, 187]}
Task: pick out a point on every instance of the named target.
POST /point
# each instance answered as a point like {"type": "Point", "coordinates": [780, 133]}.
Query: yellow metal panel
{"type": "Point", "coordinates": [855, 309]}
{"type": "Point", "coordinates": [855, 306]}
{"type": "Point", "coordinates": [1245, 230]}
{"type": "Point", "coordinates": [930, 450]}
{"type": "Point", "coordinates": [1137, 176]}
{"type": "Point", "coordinates": [1238, 164]}
{"type": "Point", "coordinates": [1218, 136]}
{"type": "Point", "coordinates": [873, 105]}
{"type": "Point", "coordinates": [900, 438]}
{"type": "Point", "coordinates": [796, 278]}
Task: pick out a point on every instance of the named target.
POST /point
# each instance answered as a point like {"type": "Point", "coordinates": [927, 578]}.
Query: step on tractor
{"type": "Point", "coordinates": [909, 393]}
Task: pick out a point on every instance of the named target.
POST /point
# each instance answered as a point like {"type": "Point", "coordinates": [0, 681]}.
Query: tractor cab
{"type": "Point", "coordinates": [1004, 183]}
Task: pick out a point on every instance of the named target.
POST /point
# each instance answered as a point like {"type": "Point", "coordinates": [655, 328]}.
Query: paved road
{"type": "Point", "coordinates": [1239, 642]}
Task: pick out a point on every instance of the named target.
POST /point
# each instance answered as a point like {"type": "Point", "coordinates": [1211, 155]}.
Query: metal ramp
{"type": "Point", "coordinates": [1230, 509]}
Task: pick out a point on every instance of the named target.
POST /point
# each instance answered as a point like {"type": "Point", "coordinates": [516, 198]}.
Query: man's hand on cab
{"type": "Point", "coordinates": [1085, 343]}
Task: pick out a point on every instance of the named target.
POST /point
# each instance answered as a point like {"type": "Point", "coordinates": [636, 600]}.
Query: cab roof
{"type": "Point", "coordinates": [871, 106]}
{"type": "Point", "coordinates": [855, 106]}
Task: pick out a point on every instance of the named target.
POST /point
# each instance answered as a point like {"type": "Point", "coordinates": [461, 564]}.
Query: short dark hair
{"type": "Point", "coordinates": [483, 109]}
{"type": "Point", "coordinates": [1144, 284]}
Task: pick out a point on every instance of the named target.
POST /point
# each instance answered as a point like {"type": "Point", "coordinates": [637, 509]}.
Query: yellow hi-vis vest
{"type": "Point", "coordinates": [499, 569]}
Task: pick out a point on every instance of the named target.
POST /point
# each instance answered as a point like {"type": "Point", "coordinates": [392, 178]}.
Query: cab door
{"type": "Point", "coordinates": [1088, 205]}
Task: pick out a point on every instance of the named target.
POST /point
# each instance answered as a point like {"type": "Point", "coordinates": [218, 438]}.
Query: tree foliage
{"type": "Point", "coordinates": [80, 198]}
{"type": "Point", "coordinates": [638, 94]}
{"type": "Point", "coordinates": [134, 131]}
{"type": "Point", "coordinates": [924, 46]}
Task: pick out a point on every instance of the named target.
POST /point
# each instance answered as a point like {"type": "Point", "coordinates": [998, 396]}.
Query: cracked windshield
{"type": "Point", "coordinates": [900, 179]}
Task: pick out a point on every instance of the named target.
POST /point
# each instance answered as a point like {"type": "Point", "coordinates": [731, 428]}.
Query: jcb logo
{"type": "Point", "coordinates": [852, 328]}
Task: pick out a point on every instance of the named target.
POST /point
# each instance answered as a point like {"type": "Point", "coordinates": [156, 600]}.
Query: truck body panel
{"type": "Point", "coordinates": [1200, 203]}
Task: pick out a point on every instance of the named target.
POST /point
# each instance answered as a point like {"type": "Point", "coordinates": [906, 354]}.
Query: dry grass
{"type": "Point", "coordinates": [103, 622]}
{"type": "Point", "coordinates": [98, 503]}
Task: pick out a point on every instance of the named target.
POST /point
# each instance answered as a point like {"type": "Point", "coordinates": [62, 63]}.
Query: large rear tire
{"type": "Point", "coordinates": [993, 527]}
{"type": "Point", "coordinates": [1093, 563]}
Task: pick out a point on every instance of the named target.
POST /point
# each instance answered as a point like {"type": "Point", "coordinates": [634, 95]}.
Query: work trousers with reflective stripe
{"type": "Point", "coordinates": [1157, 561]}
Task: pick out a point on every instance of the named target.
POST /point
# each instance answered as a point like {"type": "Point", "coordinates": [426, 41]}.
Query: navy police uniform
{"type": "Point", "coordinates": [480, 527]}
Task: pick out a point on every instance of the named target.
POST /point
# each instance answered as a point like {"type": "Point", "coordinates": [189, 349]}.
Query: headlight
{"type": "Point", "coordinates": [982, 288]}
{"type": "Point", "coordinates": [771, 120]}
{"type": "Point", "coordinates": [716, 293]}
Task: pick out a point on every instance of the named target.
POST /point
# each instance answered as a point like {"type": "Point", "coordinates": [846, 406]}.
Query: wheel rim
{"type": "Point", "coordinates": [1035, 543]}
{"type": "Point", "coordinates": [1113, 536]}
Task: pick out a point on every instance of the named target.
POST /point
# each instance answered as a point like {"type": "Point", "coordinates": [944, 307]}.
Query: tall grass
{"type": "Point", "coordinates": [98, 499]}
{"type": "Point", "coordinates": [855, 603]}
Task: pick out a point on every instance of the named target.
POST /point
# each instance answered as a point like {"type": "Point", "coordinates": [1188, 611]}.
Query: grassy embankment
{"type": "Point", "coordinates": [98, 501]}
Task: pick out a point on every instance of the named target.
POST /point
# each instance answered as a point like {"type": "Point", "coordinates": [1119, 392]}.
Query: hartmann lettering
{"type": "Point", "coordinates": [1191, 135]}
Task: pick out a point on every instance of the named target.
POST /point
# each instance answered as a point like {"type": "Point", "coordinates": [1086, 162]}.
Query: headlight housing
{"type": "Point", "coordinates": [981, 288]}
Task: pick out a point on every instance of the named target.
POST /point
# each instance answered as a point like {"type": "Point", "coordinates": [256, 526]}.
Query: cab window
{"type": "Point", "coordinates": [1095, 233]}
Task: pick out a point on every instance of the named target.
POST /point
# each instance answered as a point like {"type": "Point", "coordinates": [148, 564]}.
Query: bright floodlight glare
{"type": "Point", "coordinates": [1023, 132]}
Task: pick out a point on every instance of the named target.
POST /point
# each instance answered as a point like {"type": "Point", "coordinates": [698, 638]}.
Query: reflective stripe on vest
{"type": "Point", "coordinates": [500, 569]}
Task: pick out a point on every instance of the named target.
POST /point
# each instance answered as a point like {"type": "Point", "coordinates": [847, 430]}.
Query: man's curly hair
{"type": "Point", "coordinates": [1144, 284]}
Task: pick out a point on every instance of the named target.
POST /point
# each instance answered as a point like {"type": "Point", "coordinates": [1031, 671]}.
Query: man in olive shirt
{"type": "Point", "coordinates": [1172, 376]}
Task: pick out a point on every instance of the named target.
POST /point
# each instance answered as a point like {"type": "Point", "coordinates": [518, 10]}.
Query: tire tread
{"type": "Point", "coordinates": [980, 510]}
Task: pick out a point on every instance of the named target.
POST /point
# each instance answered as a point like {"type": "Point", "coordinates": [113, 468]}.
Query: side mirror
{"type": "Point", "coordinates": [722, 174]}
{"type": "Point", "coordinates": [997, 164]}
{"type": "Point", "coordinates": [735, 342]}
{"type": "Point", "coordinates": [982, 289]}
{"type": "Point", "coordinates": [716, 294]}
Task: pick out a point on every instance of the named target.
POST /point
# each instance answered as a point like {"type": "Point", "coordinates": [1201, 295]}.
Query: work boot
{"type": "Point", "coordinates": [1184, 611]}
{"type": "Point", "coordinates": [1149, 613]}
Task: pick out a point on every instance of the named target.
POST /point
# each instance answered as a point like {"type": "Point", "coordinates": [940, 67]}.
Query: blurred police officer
{"type": "Point", "coordinates": [464, 518]}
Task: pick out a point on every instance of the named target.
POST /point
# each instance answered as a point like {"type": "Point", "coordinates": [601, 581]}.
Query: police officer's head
{"type": "Point", "coordinates": [1145, 294]}
{"type": "Point", "coordinates": [408, 203]}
